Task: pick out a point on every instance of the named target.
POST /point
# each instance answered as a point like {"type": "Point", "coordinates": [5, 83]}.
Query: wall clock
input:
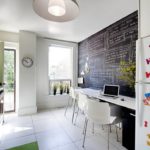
{"type": "Point", "coordinates": [27, 62]}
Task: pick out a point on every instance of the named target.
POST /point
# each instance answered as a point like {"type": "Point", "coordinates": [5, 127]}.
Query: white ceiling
{"type": "Point", "coordinates": [94, 15]}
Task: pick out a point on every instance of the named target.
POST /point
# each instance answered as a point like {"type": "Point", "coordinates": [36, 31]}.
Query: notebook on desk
{"type": "Point", "coordinates": [111, 90]}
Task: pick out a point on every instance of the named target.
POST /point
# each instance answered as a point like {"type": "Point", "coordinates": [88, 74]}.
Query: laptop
{"type": "Point", "coordinates": [111, 90]}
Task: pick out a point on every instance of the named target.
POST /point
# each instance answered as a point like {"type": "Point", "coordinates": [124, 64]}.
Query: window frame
{"type": "Point", "coordinates": [72, 65]}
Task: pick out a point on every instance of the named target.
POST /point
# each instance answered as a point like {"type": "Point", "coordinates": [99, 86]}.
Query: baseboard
{"type": "Point", "coordinates": [27, 110]}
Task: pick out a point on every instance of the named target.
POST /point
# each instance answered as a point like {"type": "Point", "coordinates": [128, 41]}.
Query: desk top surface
{"type": "Point", "coordinates": [128, 101]}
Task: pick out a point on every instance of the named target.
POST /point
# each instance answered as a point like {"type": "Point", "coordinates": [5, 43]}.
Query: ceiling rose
{"type": "Point", "coordinates": [56, 10]}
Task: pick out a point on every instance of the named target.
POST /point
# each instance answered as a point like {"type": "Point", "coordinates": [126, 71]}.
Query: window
{"type": "Point", "coordinates": [60, 68]}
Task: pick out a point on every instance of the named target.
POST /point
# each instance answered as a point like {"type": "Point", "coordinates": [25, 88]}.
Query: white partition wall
{"type": "Point", "coordinates": [27, 76]}
{"type": "Point", "coordinates": [44, 99]}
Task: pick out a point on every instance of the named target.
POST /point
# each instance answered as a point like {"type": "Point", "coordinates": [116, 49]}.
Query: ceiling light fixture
{"type": "Point", "coordinates": [56, 7]}
{"type": "Point", "coordinates": [56, 10]}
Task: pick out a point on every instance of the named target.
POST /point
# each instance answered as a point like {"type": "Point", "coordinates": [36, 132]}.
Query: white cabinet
{"type": "Point", "coordinates": [144, 21]}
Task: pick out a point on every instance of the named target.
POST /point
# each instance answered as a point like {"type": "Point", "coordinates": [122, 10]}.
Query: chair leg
{"type": "Point", "coordinates": [110, 129]}
{"type": "Point", "coordinates": [86, 123]}
{"type": "Point", "coordinates": [67, 107]}
{"type": "Point", "coordinates": [93, 128]}
{"type": "Point", "coordinates": [117, 134]}
{"type": "Point", "coordinates": [108, 135]}
{"type": "Point", "coordinates": [84, 127]}
{"type": "Point", "coordinates": [74, 106]}
{"type": "Point", "coordinates": [76, 116]}
{"type": "Point", "coordinates": [120, 126]}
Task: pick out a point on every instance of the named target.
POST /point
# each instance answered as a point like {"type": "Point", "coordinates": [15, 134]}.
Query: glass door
{"type": "Point", "coordinates": [9, 79]}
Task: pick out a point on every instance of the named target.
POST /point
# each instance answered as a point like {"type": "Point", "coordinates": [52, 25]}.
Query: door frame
{"type": "Point", "coordinates": [14, 50]}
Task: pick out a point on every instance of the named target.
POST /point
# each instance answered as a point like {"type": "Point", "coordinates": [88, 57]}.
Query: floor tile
{"type": "Point", "coordinates": [49, 139]}
{"type": "Point", "coordinates": [43, 115]}
{"type": "Point", "coordinates": [14, 118]}
{"type": "Point", "coordinates": [95, 143]}
{"type": "Point", "coordinates": [54, 131]}
{"type": "Point", "coordinates": [10, 131]}
{"type": "Point", "coordinates": [43, 125]}
{"type": "Point", "coordinates": [66, 147]}
{"type": "Point", "coordinates": [17, 141]}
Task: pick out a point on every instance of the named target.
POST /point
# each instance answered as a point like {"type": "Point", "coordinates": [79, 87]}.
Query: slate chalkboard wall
{"type": "Point", "coordinates": [104, 50]}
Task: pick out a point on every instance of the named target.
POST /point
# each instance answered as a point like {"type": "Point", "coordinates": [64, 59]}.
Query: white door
{"type": "Point", "coordinates": [142, 116]}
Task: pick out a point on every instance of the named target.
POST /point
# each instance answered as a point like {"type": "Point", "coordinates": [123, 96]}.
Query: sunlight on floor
{"type": "Point", "coordinates": [54, 131]}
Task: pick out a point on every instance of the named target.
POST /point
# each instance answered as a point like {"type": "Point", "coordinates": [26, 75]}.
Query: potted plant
{"type": "Point", "coordinates": [127, 73]}
{"type": "Point", "coordinates": [67, 89]}
{"type": "Point", "coordinates": [54, 89]}
{"type": "Point", "coordinates": [61, 88]}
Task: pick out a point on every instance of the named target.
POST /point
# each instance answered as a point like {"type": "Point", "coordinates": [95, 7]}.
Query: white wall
{"type": "Point", "coordinates": [32, 83]}
{"type": "Point", "coordinates": [44, 100]}
{"type": "Point", "coordinates": [27, 76]}
{"type": "Point", "coordinates": [9, 37]}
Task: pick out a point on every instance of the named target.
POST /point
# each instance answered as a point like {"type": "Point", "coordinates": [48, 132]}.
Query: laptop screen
{"type": "Point", "coordinates": [112, 90]}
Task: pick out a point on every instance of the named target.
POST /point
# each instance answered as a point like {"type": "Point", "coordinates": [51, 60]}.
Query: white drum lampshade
{"type": "Point", "coordinates": [56, 10]}
{"type": "Point", "coordinates": [56, 7]}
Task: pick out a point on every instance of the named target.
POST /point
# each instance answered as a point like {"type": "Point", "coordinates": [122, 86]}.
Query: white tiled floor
{"type": "Point", "coordinates": [54, 131]}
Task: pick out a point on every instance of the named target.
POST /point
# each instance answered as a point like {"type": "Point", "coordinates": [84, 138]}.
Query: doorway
{"type": "Point", "coordinates": [9, 79]}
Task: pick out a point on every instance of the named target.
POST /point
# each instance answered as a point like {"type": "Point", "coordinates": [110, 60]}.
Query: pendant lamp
{"type": "Point", "coordinates": [56, 10]}
{"type": "Point", "coordinates": [56, 7]}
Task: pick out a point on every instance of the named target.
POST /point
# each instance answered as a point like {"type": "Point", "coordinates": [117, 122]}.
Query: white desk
{"type": "Point", "coordinates": [128, 101]}
{"type": "Point", "coordinates": [127, 115]}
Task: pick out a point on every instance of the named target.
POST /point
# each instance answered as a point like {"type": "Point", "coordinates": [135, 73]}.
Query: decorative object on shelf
{"type": "Point", "coordinates": [127, 72]}
{"type": "Point", "coordinates": [56, 10]}
{"type": "Point", "coordinates": [27, 62]}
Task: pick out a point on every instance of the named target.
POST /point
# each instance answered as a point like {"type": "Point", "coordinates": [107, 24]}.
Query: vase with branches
{"type": "Point", "coordinates": [127, 72]}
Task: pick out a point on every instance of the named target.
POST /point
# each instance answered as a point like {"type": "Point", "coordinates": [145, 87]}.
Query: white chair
{"type": "Point", "coordinates": [97, 112]}
{"type": "Point", "coordinates": [117, 112]}
{"type": "Point", "coordinates": [72, 97]}
{"type": "Point", "coordinates": [81, 103]}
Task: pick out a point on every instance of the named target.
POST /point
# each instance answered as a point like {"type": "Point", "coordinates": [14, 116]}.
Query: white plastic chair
{"type": "Point", "coordinates": [97, 112]}
{"type": "Point", "coordinates": [81, 103]}
{"type": "Point", "coordinates": [71, 98]}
